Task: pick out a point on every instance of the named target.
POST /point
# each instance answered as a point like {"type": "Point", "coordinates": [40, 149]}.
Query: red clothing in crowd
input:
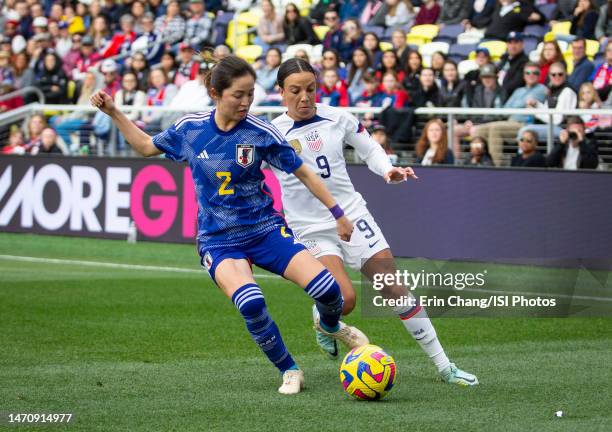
{"type": "Point", "coordinates": [114, 47]}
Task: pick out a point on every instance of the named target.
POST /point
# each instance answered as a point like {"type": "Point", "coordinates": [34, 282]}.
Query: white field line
{"type": "Point", "coordinates": [257, 275]}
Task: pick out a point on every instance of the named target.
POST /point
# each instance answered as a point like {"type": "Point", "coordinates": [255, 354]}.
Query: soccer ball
{"type": "Point", "coordinates": [367, 372]}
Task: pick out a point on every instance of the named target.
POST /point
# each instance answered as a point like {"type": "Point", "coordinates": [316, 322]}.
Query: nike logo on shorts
{"type": "Point", "coordinates": [373, 244]}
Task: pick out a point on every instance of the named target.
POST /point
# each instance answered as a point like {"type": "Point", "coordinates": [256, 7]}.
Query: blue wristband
{"type": "Point", "coordinates": [336, 212]}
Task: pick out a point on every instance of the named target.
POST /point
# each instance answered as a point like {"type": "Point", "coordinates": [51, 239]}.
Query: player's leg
{"type": "Point", "coordinates": [235, 278]}
{"type": "Point", "coordinates": [415, 320]}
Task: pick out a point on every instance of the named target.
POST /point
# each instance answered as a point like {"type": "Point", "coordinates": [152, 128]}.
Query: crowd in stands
{"type": "Point", "coordinates": [146, 53]}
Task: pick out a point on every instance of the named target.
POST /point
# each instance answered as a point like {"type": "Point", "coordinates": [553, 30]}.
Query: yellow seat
{"type": "Point", "coordinates": [250, 19]}
{"type": "Point", "coordinates": [562, 27]}
{"type": "Point", "coordinates": [496, 48]}
{"type": "Point", "coordinates": [592, 48]}
{"type": "Point", "coordinates": [425, 33]}
{"type": "Point", "coordinates": [386, 46]}
{"type": "Point", "coordinates": [569, 61]}
{"type": "Point", "coordinates": [243, 36]}
{"type": "Point", "coordinates": [249, 52]}
{"type": "Point", "coordinates": [321, 31]}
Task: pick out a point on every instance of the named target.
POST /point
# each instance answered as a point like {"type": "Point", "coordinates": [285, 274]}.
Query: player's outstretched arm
{"type": "Point", "coordinates": [139, 140]}
{"type": "Point", "coordinates": [316, 186]}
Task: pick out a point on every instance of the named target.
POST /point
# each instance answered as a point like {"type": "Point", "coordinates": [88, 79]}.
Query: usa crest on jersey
{"type": "Point", "coordinates": [314, 141]}
{"type": "Point", "coordinates": [245, 154]}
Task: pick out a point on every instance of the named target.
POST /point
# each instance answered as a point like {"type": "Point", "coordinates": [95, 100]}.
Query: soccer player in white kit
{"type": "Point", "coordinates": [319, 133]}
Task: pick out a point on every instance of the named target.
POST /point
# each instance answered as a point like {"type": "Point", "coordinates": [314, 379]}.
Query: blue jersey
{"type": "Point", "coordinates": [234, 204]}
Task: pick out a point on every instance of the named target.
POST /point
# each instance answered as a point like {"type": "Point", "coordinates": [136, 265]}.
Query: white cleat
{"type": "Point", "coordinates": [293, 382]}
{"type": "Point", "coordinates": [350, 336]}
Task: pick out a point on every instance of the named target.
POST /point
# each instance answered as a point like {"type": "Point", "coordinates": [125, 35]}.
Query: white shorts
{"type": "Point", "coordinates": [366, 241]}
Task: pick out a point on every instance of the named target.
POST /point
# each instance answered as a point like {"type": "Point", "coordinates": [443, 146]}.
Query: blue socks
{"type": "Point", "coordinates": [250, 302]}
{"type": "Point", "coordinates": [326, 292]}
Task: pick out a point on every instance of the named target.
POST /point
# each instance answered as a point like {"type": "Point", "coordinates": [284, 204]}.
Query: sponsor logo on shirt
{"type": "Point", "coordinates": [314, 141]}
{"type": "Point", "coordinates": [245, 154]}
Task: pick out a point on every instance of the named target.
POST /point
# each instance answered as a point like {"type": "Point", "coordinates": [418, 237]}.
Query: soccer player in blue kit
{"type": "Point", "coordinates": [237, 225]}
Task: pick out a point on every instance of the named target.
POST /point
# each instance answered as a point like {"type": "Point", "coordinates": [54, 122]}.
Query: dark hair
{"type": "Point", "coordinates": [223, 73]}
{"type": "Point", "coordinates": [572, 120]}
{"type": "Point", "coordinates": [531, 64]}
{"type": "Point", "coordinates": [353, 68]}
{"type": "Point", "coordinates": [485, 144]}
{"type": "Point", "coordinates": [580, 39]}
{"type": "Point", "coordinates": [406, 66]}
{"type": "Point", "coordinates": [293, 66]}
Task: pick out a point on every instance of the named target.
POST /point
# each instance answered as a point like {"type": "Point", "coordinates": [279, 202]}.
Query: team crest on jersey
{"type": "Point", "coordinates": [245, 154]}
{"type": "Point", "coordinates": [207, 260]}
{"type": "Point", "coordinates": [312, 246]}
{"type": "Point", "coordinates": [314, 141]}
{"type": "Point", "coordinates": [296, 145]}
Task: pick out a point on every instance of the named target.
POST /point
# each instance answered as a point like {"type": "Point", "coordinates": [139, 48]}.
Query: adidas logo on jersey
{"type": "Point", "coordinates": [203, 155]}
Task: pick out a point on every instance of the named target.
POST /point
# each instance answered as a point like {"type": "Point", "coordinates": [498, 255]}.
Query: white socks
{"type": "Point", "coordinates": [418, 324]}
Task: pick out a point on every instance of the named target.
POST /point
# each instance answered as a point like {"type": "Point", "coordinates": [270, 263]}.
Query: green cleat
{"type": "Point", "coordinates": [328, 344]}
{"type": "Point", "coordinates": [453, 375]}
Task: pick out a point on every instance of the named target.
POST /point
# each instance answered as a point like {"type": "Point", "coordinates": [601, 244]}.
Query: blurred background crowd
{"type": "Point", "coordinates": [397, 55]}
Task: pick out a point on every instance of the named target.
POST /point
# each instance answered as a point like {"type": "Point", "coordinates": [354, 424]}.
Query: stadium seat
{"type": "Point", "coordinates": [472, 36]}
{"type": "Point", "coordinates": [377, 30]}
{"type": "Point", "coordinates": [462, 50]}
{"type": "Point", "coordinates": [317, 53]}
{"type": "Point", "coordinates": [249, 18]}
{"type": "Point", "coordinates": [531, 44]}
{"type": "Point", "coordinates": [422, 34]}
{"type": "Point", "coordinates": [496, 48]}
{"type": "Point", "coordinates": [292, 49]}
{"type": "Point", "coordinates": [560, 28]}
{"type": "Point", "coordinates": [548, 10]}
{"type": "Point", "coordinates": [449, 32]}
{"type": "Point", "coordinates": [535, 30]}
{"type": "Point", "coordinates": [569, 61]}
{"type": "Point", "coordinates": [243, 36]}
{"type": "Point", "coordinates": [321, 31]}
{"type": "Point", "coordinates": [430, 48]}
{"type": "Point", "coordinates": [466, 66]}
{"type": "Point", "coordinates": [386, 46]}
{"type": "Point", "coordinates": [592, 48]}
{"type": "Point", "coordinates": [249, 52]}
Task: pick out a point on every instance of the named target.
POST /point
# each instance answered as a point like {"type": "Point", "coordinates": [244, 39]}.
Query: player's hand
{"type": "Point", "coordinates": [344, 228]}
{"type": "Point", "coordinates": [103, 101]}
{"type": "Point", "coordinates": [398, 175]}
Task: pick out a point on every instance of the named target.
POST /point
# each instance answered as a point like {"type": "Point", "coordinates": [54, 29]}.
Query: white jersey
{"type": "Point", "coordinates": [320, 141]}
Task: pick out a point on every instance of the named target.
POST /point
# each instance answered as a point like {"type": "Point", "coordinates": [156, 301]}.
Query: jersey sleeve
{"type": "Point", "coordinates": [171, 143]}
{"type": "Point", "coordinates": [279, 154]}
{"type": "Point", "coordinates": [369, 150]}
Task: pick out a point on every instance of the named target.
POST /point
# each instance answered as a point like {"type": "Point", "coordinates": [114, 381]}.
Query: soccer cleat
{"type": "Point", "coordinates": [350, 336]}
{"type": "Point", "coordinates": [453, 375]}
{"type": "Point", "coordinates": [327, 343]}
{"type": "Point", "coordinates": [293, 382]}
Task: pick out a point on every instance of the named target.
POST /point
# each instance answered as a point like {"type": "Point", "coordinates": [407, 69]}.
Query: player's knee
{"type": "Point", "coordinates": [350, 301]}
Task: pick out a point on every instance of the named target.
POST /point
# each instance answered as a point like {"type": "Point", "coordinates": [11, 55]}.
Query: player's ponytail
{"type": "Point", "coordinates": [223, 72]}
{"type": "Point", "coordinates": [292, 66]}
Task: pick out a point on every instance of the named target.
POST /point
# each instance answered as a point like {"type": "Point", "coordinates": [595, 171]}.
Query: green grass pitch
{"type": "Point", "coordinates": [136, 349]}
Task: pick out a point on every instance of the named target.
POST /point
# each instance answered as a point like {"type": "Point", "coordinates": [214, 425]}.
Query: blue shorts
{"type": "Point", "coordinates": [271, 251]}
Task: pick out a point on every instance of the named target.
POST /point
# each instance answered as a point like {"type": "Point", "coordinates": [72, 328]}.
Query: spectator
{"type": "Point", "coordinates": [331, 60]}
{"type": "Point", "coordinates": [392, 95]}
{"type": "Point", "coordinates": [412, 71]}
{"type": "Point", "coordinates": [47, 144]}
{"type": "Point", "coordinates": [400, 45]}
{"type": "Point", "coordinates": [171, 25]}
{"type": "Point", "coordinates": [528, 155]}
{"type": "Point", "coordinates": [158, 7]}
{"type": "Point", "coordinates": [34, 128]}
{"type": "Point", "coordinates": [192, 93]}
{"type": "Point", "coordinates": [498, 131]}
{"type": "Point", "coordinates": [23, 75]}
{"type": "Point", "coordinates": [370, 97]}
{"type": "Point", "coordinates": [159, 93]}
{"type": "Point", "coordinates": [113, 11]}
{"type": "Point", "coordinates": [360, 65]}
{"type": "Point", "coordinates": [130, 95]}
{"type": "Point", "coordinates": [551, 53]}
{"type": "Point", "coordinates": [268, 70]}
{"type": "Point", "coordinates": [63, 40]}
{"type": "Point", "coordinates": [480, 15]}
{"type": "Point", "coordinates": [150, 42]}
{"type": "Point", "coordinates": [351, 8]}
{"type": "Point", "coordinates": [301, 54]}
{"type": "Point", "coordinates": [379, 134]}
{"type": "Point", "coordinates": [352, 37]}
{"type": "Point", "coordinates": [12, 102]}
{"type": "Point", "coordinates": [432, 148]}
{"type": "Point", "coordinates": [110, 71]}
{"type": "Point", "coordinates": [455, 11]}
{"type": "Point", "coordinates": [602, 78]}
{"type": "Point", "coordinates": [603, 28]}
{"type": "Point", "coordinates": [333, 37]}
{"type": "Point", "coordinates": [371, 43]}
{"type": "Point", "coordinates": [373, 13]}
{"type": "Point", "coordinates": [563, 12]}
{"type": "Point", "coordinates": [75, 22]}
{"type": "Point", "coordinates": [87, 59]}
{"type": "Point", "coordinates": [428, 94]}
{"type": "Point", "coordinates": [73, 55]}
{"type": "Point", "coordinates": [140, 67]}
{"type": "Point", "coordinates": [561, 96]}
{"type": "Point", "coordinates": [479, 153]}
{"type": "Point", "coordinates": [511, 16]}
{"type": "Point", "coordinates": [428, 13]}
{"type": "Point", "coordinates": [168, 65]}
{"type": "Point", "coordinates": [333, 90]}
{"type": "Point", "coordinates": [137, 10]}
{"type": "Point", "coordinates": [589, 99]}
{"type": "Point", "coordinates": [488, 93]}
{"type": "Point", "coordinates": [390, 63]}
{"type": "Point", "coordinates": [399, 13]}
{"type": "Point", "coordinates": [100, 32]}
{"type": "Point", "coordinates": [452, 89]}
{"type": "Point", "coordinates": [121, 41]}
{"type": "Point", "coordinates": [437, 63]}
{"type": "Point", "coordinates": [199, 26]}
{"type": "Point", "coordinates": [583, 68]}
{"type": "Point", "coordinates": [297, 29]}
{"type": "Point", "coordinates": [221, 51]}
{"type": "Point", "coordinates": [188, 67]}
{"type": "Point", "coordinates": [53, 81]}
{"type": "Point", "coordinates": [512, 63]}
{"type": "Point", "coordinates": [66, 124]}
{"type": "Point", "coordinates": [6, 71]}
{"type": "Point", "coordinates": [15, 145]}
{"type": "Point", "coordinates": [573, 151]}
{"type": "Point", "coordinates": [320, 9]}
{"type": "Point", "coordinates": [472, 78]}
{"type": "Point", "coordinates": [270, 31]}
{"type": "Point", "coordinates": [584, 19]}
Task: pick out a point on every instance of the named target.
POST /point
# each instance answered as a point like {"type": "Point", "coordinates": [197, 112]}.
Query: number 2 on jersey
{"type": "Point", "coordinates": [226, 176]}
{"type": "Point", "coordinates": [324, 165]}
